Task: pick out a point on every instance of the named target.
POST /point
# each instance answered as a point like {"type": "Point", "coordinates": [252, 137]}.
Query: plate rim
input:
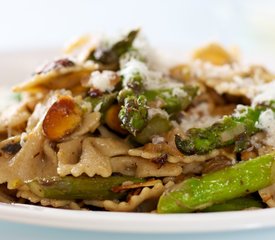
{"type": "Point", "coordinates": [138, 222]}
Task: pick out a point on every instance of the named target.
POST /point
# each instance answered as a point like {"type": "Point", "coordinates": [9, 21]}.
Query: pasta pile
{"type": "Point", "coordinates": [106, 126]}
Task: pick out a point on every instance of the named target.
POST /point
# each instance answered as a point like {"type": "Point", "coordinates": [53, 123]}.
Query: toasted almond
{"type": "Point", "coordinates": [63, 117]}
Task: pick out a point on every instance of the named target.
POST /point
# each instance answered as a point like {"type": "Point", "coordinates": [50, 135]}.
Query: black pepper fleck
{"type": "Point", "coordinates": [12, 148]}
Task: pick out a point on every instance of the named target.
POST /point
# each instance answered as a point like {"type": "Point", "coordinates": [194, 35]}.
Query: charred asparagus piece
{"type": "Point", "coordinates": [134, 118]}
{"type": "Point", "coordinates": [231, 130]}
{"type": "Point", "coordinates": [72, 188]}
{"type": "Point", "coordinates": [195, 194]}
{"type": "Point", "coordinates": [110, 55]}
{"type": "Point", "coordinates": [168, 99]}
{"type": "Point", "coordinates": [102, 102]}
{"type": "Point", "coordinates": [174, 99]}
{"type": "Point", "coordinates": [134, 114]}
{"type": "Point", "coordinates": [135, 109]}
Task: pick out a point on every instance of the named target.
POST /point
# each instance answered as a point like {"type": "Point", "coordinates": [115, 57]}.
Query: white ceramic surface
{"type": "Point", "coordinates": [138, 222]}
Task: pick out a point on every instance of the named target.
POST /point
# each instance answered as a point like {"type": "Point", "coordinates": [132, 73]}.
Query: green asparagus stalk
{"type": "Point", "coordinates": [134, 118]}
{"type": "Point", "coordinates": [103, 102]}
{"type": "Point", "coordinates": [235, 205]}
{"type": "Point", "coordinates": [195, 194]}
{"type": "Point", "coordinates": [167, 99]}
{"type": "Point", "coordinates": [230, 130]}
{"type": "Point", "coordinates": [134, 82]}
{"type": "Point", "coordinates": [134, 111]}
{"type": "Point", "coordinates": [170, 100]}
{"type": "Point", "coordinates": [155, 126]}
{"type": "Point", "coordinates": [110, 55]}
{"type": "Point", "coordinates": [72, 188]}
{"type": "Point", "coordinates": [134, 114]}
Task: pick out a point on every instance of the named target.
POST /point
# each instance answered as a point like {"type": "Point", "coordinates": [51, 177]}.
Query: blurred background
{"type": "Point", "coordinates": [183, 24]}
{"type": "Point", "coordinates": [178, 23]}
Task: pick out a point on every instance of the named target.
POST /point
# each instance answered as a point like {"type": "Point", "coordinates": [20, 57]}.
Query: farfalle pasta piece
{"type": "Point", "coordinates": [111, 147]}
{"type": "Point", "coordinates": [31, 161]}
{"type": "Point", "coordinates": [8, 149]}
{"type": "Point", "coordinates": [68, 154]}
{"type": "Point", "coordinates": [91, 121]}
{"type": "Point", "coordinates": [13, 121]}
{"type": "Point", "coordinates": [152, 151]}
{"type": "Point", "coordinates": [140, 167]}
{"type": "Point", "coordinates": [60, 74]}
{"type": "Point", "coordinates": [147, 168]}
{"type": "Point", "coordinates": [35, 158]}
{"type": "Point", "coordinates": [125, 165]}
{"type": "Point", "coordinates": [82, 47]}
{"type": "Point", "coordinates": [134, 202]}
{"type": "Point", "coordinates": [91, 162]}
{"type": "Point", "coordinates": [89, 155]}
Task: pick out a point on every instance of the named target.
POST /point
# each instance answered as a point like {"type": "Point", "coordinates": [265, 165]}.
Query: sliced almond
{"type": "Point", "coordinates": [63, 117]}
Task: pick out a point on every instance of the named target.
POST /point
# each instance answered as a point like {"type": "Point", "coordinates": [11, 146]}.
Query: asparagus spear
{"type": "Point", "coordinates": [134, 108]}
{"type": "Point", "coordinates": [123, 94]}
{"type": "Point", "coordinates": [239, 180]}
{"type": "Point", "coordinates": [172, 102]}
{"type": "Point", "coordinates": [230, 130]}
{"type": "Point", "coordinates": [134, 81]}
{"type": "Point", "coordinates": [134, 114]}
{"type": "Point", "coordinates": [103, 101]}
{"type": "Point", "coordinates": [235, 205]}
{"type": "Point", "coordinates": [71, 188]}
{"type": "Point", "coordinates": [155, 126]}
{"type": "Point", "coordinates": [134, 117]}
{"type": "Point", "coordinates": [169, 101]}
{"type": "Point", "coordinates": [110, 55]}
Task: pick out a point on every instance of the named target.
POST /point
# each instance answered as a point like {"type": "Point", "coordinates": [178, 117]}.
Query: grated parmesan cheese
{"type": "Point", "coordinates": [104, 81]}
{"type": "Point", "coordinates": [142, 51]}
{"type": "Point", "coordinates": [157, 111]}
{"type": "Point", "coordinates": [267, 123]}
{"type": "Point", "coordinates": [240, 110]}
{"type": "Point", "coordinates": [265, 93]}
{"type": "Point", "coordinates": [198, 117]}
{"type": "Point", "coordinates": [227, 78]}
{"type": "Point", "coordinates": [158, 139]}
{"type": "Point", "coordinates": [201, 69]}
{"type": "Point", "coordinates": [133, 67]}
{"type": "Point", "coordinates": [179, 92]}
{"type": "Point", "coordinates": [151, 79]}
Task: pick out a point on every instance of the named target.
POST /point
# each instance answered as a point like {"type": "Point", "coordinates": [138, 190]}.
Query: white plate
{"type": "Point", "coordinates": [139, 222]}
{"type": "Point", "coordinates": [117, 222]}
